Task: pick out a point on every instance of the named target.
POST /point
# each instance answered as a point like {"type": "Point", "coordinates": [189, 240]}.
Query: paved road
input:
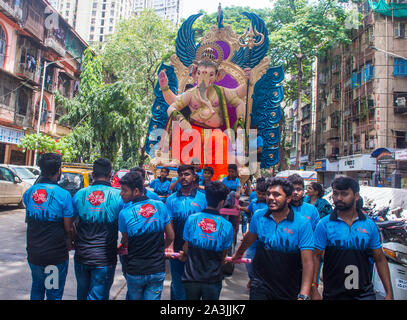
{"type": "Point", "coordinates": [15, 277]}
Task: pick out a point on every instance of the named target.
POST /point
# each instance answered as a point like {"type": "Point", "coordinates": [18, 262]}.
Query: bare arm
{"type": "Point", "coordinates": [125, 239]}
{"type": "Point", "coordinates": [315, 295]}
{"type": "Point", "coordinates": [307, 271]}
{"type": "Point", "coordinates": [169, 235]}
{"type": "Point", "coordinates": [247, 241]}
{"type": "Point", "coordinates": [68, 226]}
{"type": "Point", "coordinates": [383, 271]}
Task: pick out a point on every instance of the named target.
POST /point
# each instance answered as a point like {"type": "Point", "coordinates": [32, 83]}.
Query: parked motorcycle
{"type": "Point", "coordinates": [394, 243]}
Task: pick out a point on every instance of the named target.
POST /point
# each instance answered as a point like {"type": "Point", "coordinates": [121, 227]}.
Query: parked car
{"type": "Point", "coordinates": [119, 174]}
{"type": "Point", "coordinates": [23, 173]}
{"type": "Point", "coordinates": [12, 187]}
{"type": "Point", "coordinates": [35, 170]}
{"type": "Point", "coordinates": [75, 176]}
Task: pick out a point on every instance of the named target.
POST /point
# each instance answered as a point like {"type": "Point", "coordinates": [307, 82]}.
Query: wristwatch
{"type": "Point", "coordinates": [303, 297]}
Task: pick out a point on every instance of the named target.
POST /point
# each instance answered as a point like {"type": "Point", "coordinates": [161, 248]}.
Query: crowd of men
{"type": "Point", "coordinates": [293, 240]}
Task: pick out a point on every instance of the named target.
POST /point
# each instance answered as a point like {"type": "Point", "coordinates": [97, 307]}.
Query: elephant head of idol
{"type": "Point", "coordinates": [206, 71]}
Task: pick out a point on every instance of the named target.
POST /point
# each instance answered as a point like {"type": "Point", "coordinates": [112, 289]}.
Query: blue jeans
{"type": "Point", "coordinates": [204, 291]}
{"type": "Point", "coordinates": [177, 287]}
{"type": "Point", "coordinates": [245, 220]}
{"type": "Point", "coordinates": [94, 282]}
{"type": "Point", "coordinates": [145, 286]}
{"type": "Point", "coordinates": [45, 281]}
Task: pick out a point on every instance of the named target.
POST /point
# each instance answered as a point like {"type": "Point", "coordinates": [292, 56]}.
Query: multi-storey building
{"type": "Point", "coordinates": [32, 36]}
{"type": "Point", "coordinates": [94, 19]}
{"type": "Point", "coordinates": [166, 9]}
{"type": "Point", "coordinates": [361, 112]}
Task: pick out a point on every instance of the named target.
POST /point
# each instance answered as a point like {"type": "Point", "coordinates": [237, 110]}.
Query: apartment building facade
{"type": "Point", "coordinates": [32, 36]}
{"type": "Point", "coordinates": [166, 9]}
{"type": "Point", "coordinates": [94, 20]}
{"type": "Point", "coordinates": [360, 108]}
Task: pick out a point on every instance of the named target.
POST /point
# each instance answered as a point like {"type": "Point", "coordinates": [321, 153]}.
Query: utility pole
{"type": "Point", "coordinates": [299, 56]}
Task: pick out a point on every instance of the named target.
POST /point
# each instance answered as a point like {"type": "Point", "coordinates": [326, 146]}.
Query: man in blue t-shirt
{"type": "Point", "coordinates": [347, 238]}
{"type": "Point", "coordinates": [232, 181]}
{"type": "Point", "coordinates": [297, 203]}
{"type": "Point", "coordinates": [143, 224]}
{"type": "Point", "coordinates": [208, 173]}
{"type": "Point", "coordinates": [254, 205]}
{"type": "Point", "coordinates": [181, 205]}
{"type": "Point", "coordinates": [97, 209]}
{"type": "Point", "coordinates": [207, 237]}
{"type": "Point", "coordinates": [49, 218]}
{"type": "Point", "coordinates": [283, 264]}
{"type": "Point", "coordinates": [161, 185]}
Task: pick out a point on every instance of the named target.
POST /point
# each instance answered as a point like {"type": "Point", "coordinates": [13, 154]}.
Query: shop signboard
{"type": "Point", "coordinates": [362, 162]}
{"type": "Point", "coordinates": [11, 136]}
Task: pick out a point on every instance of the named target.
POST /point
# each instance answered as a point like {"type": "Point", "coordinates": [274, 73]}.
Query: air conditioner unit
{"type": "Point", "coordinates": [401, 101]}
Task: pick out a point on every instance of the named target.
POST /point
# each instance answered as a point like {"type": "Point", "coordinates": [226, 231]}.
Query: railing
{"type": "Point", "coordinates": [28, 72]}
{"type": "Point", "coordinates": [11, 10]}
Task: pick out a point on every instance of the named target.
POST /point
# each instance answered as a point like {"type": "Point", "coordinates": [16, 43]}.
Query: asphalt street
{"type": "Point", "coordinates": [15, 275]}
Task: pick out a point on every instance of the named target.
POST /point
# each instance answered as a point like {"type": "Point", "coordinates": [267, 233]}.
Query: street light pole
{"type": "Point", "coordinates": [40, 107]}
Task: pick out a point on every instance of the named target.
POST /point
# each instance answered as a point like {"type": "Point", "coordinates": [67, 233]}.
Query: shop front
{"type": "Point", "coordinates": [326, 171]}
{"type": "Point", "coordinates": [360, 167]}
{"type": "Point", "coordinates": [400, 157]}
{"type": "Point", "coordinates": [9, 152]}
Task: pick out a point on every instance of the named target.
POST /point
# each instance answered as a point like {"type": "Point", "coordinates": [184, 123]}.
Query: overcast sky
{"type": "Point", "coordinates": [210, 6]}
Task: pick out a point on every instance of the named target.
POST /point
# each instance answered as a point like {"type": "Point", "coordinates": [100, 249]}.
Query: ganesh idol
{"type": "Point", "coordinates": [199, 124]}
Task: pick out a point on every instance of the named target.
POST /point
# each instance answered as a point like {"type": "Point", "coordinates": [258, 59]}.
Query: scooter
{"type": "Point", "coordinates": [394, 242]}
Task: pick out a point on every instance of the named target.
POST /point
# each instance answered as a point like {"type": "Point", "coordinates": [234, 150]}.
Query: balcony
{"type": "Point", "coordinates": [11, 10]}
{"type": "Point", "coordinates": [28, 72]}
{"type": "Point", "coordinates": [333, 133]}
{"type": "Point", "coordinates": [55, 41]}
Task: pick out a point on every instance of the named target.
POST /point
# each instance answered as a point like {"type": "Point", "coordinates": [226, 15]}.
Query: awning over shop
{"type": "Point", "coordinates": [378, 151]}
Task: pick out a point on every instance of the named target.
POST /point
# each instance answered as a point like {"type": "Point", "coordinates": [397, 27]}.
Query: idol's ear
{"type": "Point", "coordinates": [220, 75]}
{"type": "Point", "coordinates": [192, 70]}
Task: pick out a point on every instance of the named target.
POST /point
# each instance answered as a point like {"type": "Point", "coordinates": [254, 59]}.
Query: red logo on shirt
{"type": "Point", "coordinates": [289, 231]}
{"type": "Point", "coordinates": [362, 230]}
{"type": "Point", "coordinates": [40, 196]}
{"type": "Point", "coordinates": [147, 210]}
{"type": "Point", "coordinates": [96, 198]}
{"type": "Point", "coordinates": [207, 225]}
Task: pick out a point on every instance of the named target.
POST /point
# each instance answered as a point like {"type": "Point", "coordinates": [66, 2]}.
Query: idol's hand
{"type": "Point", "coordinates": [162, 79]}
{"type": "Point", "coordinates": [185, 125]}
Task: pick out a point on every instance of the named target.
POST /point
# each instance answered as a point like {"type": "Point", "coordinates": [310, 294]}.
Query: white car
{"type": "Point", "coordinates": [12, 187]}
{"type": "Point", "coordinates": [34, 170]}
{"type": "Point", "coordinates": [23, 173]}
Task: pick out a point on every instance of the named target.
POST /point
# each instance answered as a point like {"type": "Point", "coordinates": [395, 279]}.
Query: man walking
{"type": "Point", "coordinates": [207, 237]}
{"type": "Point", "coordinates": [297, 203]}
{"type": "Point", "coordinates": [49, 218]}
{"type": "Point", "coordinates": [347, 237]}
{"type": "Point", "coordinates": [143, 223]}
{"type": "Point", "coordinates": [181, 205]}
{"type": "Point", "coordinates": [282, 265]}
{"type": "Point", "coordinates": [97, 209]}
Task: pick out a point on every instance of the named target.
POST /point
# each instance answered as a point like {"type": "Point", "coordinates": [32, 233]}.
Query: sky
{"type": "Point", "coordinates": [210, 6]}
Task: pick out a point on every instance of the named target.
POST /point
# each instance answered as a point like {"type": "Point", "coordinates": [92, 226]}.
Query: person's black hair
{"type": "Point", "coordinates": [140, 170]}
{"type": "Point", "coordinates": [166, 169]}
{"type": "Point", "coordinates": [343, 183]}
{"type": "Point", "coordinates": [318, 187]}
{"type": "Point", "coordinates": [185, 167]}
{"type": "Point", "coordinates": [359, 203]}
{"type": "Point", "coordinates": [102, 168]}
{"type": "Point", "coordinates": [133, 180]}
{"type": "Point", "coordinates": [296, 179]}
{"type": "Point", "coordinates": [209, 169]}
{"type": "Point", "coordinates": [215, 192]}
{"type": "Point", "coordinates": [261, 185]}
{"type": "Point", "coordinates": [232, 166]}
{"type": "Point", "coordinates": [49, 164]}
{"type": "Point", "coordinates": [287, 186]}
